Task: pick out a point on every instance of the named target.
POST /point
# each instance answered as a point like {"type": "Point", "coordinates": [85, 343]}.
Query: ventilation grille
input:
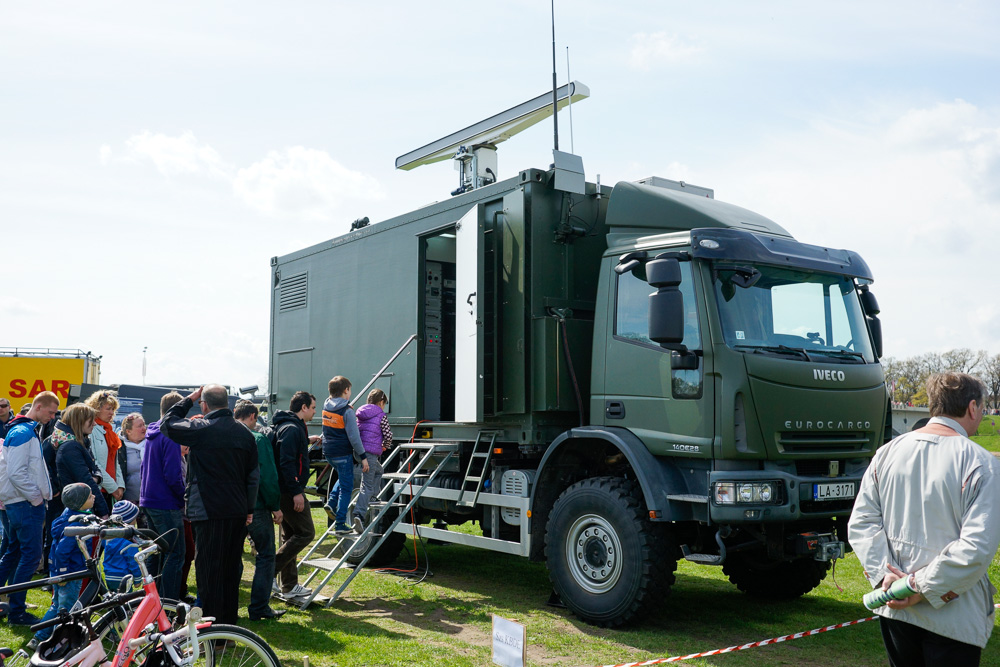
{"type": "Point", "coordinates": [293, 291]}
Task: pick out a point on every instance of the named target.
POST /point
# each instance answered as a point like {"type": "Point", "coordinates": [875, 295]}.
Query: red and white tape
{"type": "Point", "coordinates": [731, 649]}
{"type": "Point", "coordinates": [765, 642]}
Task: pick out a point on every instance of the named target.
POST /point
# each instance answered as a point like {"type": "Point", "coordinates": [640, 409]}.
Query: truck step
{"type": "Point", "coordinates": [404, 475]}
{"type": "Point", "coordinates": [705, 559]}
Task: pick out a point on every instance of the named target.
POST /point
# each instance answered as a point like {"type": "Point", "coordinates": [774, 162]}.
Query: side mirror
{"type": "Point", "coordinates": [869, 304]}
{"type": "Point", "coordinates": [875, 327]}
{"type": "Point", "coordinates": [666, 305]}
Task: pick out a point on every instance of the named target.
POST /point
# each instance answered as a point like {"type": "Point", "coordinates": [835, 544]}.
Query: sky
{"type": "Point", "coordinates": [155, 156]}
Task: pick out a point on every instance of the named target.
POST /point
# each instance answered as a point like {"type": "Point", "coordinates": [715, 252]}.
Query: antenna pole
{"type": "Point", "coordinates": [555, 105]}
{"type": "Point", "coordinates": [569, 105]}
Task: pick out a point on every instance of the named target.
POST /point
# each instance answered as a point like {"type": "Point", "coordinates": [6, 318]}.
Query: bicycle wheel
{"type": "Point", "coordinates": [231, 646]}
{"type": "Point", "coordinates": [111, 625]}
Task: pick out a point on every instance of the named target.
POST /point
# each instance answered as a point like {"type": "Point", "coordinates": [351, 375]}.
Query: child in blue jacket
{"type": "Point", "coordinates": [119, 553]}
{"type": "Point", "coordinates": [65, 556]}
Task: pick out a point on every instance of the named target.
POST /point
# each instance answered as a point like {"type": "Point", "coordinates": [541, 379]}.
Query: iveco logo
{"type": "Point", "coordinates": [832, 376]}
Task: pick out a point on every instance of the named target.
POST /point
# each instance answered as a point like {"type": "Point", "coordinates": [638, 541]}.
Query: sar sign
{"type": "Point", "coordinates": [509, 645]}
{"type": "Point", "coordinates": [23, 378]}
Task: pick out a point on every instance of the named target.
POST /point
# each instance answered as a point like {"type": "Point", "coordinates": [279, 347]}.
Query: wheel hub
{"type": "Point", "coordinates": [593, 553]}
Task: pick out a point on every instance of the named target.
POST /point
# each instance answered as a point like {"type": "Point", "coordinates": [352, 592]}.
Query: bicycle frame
{"type": "Point", "coordinates": [150, 610]}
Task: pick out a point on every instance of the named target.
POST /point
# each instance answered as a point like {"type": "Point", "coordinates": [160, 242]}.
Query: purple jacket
{"type": "Point", "coordinates": [162, 486]}
{"type": "Point", "coordinates": [370, 425]}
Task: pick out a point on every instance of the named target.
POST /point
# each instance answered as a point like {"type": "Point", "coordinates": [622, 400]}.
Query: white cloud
{"type": "Point", "coordinates": [177, 156]}
{"type": "Point", "coordinates": [658, 49]}
{"type": "Point", "coordinates": [302, 181]}
{"type": "Point", "coordinates": [959, 135]}
{"type": "Point", "coordinates": [106, 155]}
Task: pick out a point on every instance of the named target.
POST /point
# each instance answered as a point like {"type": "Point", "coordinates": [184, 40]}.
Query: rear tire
{"type": "Point", "coordinates": [775, 581]}
{"type": "Point", "coordinates": [606, 560]}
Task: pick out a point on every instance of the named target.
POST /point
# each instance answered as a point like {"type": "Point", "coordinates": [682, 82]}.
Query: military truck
{"type": "Point", "coordinates": [614, 378]}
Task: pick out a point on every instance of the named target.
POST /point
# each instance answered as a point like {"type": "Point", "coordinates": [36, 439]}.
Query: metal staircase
{"type": "Point", "coordinates": [421, 464]}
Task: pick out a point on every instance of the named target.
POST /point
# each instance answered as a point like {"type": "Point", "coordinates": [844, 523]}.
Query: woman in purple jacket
{"type": "Point", "coordinates": [376, 436]}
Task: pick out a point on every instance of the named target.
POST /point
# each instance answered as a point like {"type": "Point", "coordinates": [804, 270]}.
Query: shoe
{"type": "Point", "coordinates": [275, 588]}
{"type": "Point", "coordinates": [358, 525]}
{"type": "Point", "coordinates": [299, 591]}
{"type": "Point", "coordinates": [23, 619]}
{"type": "Point", "coordinates": [31, 645]}
{"type": "Point", "coordinates": [268, 615]}
{"type": "Point", "coordinates": [342, 529]}
{"type": "Point", "coordinates": [330, 512]}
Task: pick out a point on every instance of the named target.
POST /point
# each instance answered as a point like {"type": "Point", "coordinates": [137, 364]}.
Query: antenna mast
{"type": "Point", "coordinates": [555, 107]}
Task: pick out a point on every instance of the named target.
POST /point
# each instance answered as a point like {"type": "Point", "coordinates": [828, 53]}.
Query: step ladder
{"type": "Point", "coordinates": [418, 469]}
{"type": "Point", "coordinates": [476, 471]}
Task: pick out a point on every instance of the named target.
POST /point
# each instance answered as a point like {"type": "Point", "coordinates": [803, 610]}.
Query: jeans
{"type": "Point", "coordinates": [344, 465]}
{"type": "Point", "coordinates": [64, 596]}
{"type": "Point", "coordinates": [5, 542]}
{"type": "Point", "coordinates": [371, 484]}
{"type": "Point", "coordinates": [170, 566]}
{"type": "Point", "coordinates": [262, 534]}
{"type": "Point", "coordinates": [24, 551]}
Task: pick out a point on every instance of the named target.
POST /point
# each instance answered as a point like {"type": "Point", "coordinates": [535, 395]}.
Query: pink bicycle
{"type": "Point", "coordinates": [151, 637]}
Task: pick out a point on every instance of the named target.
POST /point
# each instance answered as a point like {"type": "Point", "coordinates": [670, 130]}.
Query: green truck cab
{"type": "Point", "coordinates": [621, 378]}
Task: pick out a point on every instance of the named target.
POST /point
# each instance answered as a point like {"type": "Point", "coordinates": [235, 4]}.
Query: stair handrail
{"type": "Point", "coordinates": [382, 370]}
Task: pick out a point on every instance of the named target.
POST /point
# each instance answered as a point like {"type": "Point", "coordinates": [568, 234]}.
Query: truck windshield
{"type": "Point", "coordinates": [793, 314]}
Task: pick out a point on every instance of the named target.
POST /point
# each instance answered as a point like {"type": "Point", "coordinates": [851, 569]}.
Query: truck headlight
{"type": "Point", "coordinates": [744, 493]}
{"type": "Point", "coordinates": [724, 493]}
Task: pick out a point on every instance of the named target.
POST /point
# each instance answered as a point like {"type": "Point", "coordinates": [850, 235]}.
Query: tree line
{"type": "Point", "coordinates": [906, 377]}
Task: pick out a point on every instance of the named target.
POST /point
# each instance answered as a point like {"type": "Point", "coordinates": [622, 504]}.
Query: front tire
{"type": "Point", "coordinates": [232, 646]}
{"type": "Point", "coordinates": [606, 560]}
{"type": "Point", "coordinates": [775, 580]}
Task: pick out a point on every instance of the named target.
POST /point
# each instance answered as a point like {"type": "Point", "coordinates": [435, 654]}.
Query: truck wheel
{"type": "Point", "coordinates": [606, 560]}
{"type": "Point", "coordinates": [386, 553]}
{"type": "Point", "coordinates": [775, 581]}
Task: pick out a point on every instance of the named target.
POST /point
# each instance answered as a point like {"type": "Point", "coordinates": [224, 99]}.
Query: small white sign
{"type": "Point", "coordinates": [509, 643]}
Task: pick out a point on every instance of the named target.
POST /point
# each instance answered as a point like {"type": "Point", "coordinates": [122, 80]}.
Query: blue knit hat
{"type": "Point", "coordinates": [126, 510]}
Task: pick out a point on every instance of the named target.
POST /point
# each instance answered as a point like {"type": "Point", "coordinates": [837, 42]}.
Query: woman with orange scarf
{"type": "Point", "coordinates": [105, 443]}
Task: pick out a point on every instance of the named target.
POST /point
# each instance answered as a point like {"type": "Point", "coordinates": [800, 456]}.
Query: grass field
{"type": "Point", "coordinates": [446, 620]}
{"type": "Point", "coordinates": [988, 434]}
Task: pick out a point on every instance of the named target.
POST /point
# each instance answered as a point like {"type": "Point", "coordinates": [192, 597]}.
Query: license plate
{"type": "Point", "coordinates": [835, 491]}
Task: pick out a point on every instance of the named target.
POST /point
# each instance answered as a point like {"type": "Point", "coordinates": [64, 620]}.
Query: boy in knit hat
{"type": "Point", "coordinates": [119, 553]}
{"type": "Point", "coordinates": [65, 556]}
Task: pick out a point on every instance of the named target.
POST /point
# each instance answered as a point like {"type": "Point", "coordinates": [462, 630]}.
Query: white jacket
{"type": "Point", "coordinates": [930, 504]}
{"type": "Point", "coordinates": [23, 475]}
{"type": "Point", "coordinates": [99, 448]}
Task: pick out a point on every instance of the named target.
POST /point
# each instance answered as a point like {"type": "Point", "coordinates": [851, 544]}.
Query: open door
{"type": "Point", "coordinates": [469, 334]}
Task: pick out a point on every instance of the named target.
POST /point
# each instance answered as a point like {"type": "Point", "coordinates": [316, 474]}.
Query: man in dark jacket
{"type": "Point", "coordinates": [297, 529]}
{"type": "Point", "coordinates": [221, 494]}
{"type": "Point", "coordinates": [161, 498]}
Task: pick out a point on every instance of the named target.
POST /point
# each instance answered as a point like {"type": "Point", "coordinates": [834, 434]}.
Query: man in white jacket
{"type": "Point", "coordinates": [927, 511]}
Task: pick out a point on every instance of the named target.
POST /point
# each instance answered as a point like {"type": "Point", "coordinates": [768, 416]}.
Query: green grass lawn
{"type": "Point", "coordinates": [988, 434]}
{"type": "Point", "coordinates": [446, 619]}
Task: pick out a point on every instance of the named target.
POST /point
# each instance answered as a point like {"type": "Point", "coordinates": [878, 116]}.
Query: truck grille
{"type": "Point", "coordinates": [816, 467]}
{"type": "Point", "coordinates": [823, 441]}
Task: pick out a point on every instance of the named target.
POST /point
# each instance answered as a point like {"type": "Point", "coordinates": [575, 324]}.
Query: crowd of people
{"type": "Point", "coordinates": [206, 482]}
